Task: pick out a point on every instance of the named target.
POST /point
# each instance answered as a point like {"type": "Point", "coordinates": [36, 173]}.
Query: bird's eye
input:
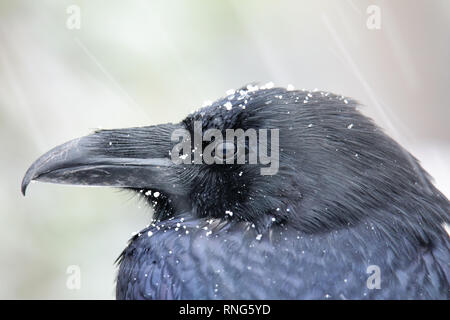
{"type": "Point", "coordinates": [225, 151]}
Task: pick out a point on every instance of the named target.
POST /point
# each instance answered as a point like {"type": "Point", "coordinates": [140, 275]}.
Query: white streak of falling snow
{"type": "Point", "coordinates": [22, 102]}
{"type": "Point", "coordinates": [370, 94]}
{"type": "Point", "coordinates": [91, 56]}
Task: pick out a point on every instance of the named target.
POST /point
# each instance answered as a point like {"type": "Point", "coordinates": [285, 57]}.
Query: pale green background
{"type": "Point", "coordinates": [145, 62]}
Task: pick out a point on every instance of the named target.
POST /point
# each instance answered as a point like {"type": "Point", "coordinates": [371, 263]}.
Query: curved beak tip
{"type": "Point", "coordinates": [25, 182]}
{"type": "Point", "coordinates": [24, 188]}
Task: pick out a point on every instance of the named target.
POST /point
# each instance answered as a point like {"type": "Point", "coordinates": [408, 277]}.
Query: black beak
{"type": "Point", "coordinates": [131, 158]}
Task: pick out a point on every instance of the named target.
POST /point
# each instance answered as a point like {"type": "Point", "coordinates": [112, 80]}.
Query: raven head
{"type": "Point", "coordinates": [334, 166]}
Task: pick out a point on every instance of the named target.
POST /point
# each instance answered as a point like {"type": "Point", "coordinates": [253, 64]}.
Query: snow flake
{"type": "Point", "coordinates": [268, 85]}
{"type": "Point", "coordinates": [446, 228]}
{"type": "Point", "coordinates": [252, 88]}
{"type": "Point", "coordinates": [207, 103]}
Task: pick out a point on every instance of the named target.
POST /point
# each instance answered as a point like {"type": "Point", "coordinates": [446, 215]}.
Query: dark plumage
{"type": "Point", "coordinates": [346, 197]}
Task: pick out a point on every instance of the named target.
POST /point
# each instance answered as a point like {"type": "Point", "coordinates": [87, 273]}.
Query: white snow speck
{"type": "Point", "coordinates": [258, 237]}
{"type": "Point", "coordinates": [156, 194]}
{"type": "Point", "coordinates": [310, 125]}
{"type": "Point", "coordinates": [148, 193]}
{"type": "Point", "coordinates": [149, 234]}
{"type": "Point", "coordinates": [228, 212]}
{"type": "Point", "coordinates": [268, 85]}
{"type": "Point", "coordinates": [350, 126]}
{"type": "Point", "coordinates": [208, 233]}
{"type": "Point", "coordinates": [240, 174]}
{"type": "Point", "coordinates": [207, 103]}
{"type": "Point", "coordinates": [446, 228]}
{"type": "Point", "coordinates": [110, 143]}
{"type": "Point", "coordinates": [273, 219]}
{"type": "Point", "coordinates": [228, 105]}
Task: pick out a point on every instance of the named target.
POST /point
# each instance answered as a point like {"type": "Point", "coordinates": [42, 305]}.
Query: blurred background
{"type": "Point", "coordinates": [135, 63]}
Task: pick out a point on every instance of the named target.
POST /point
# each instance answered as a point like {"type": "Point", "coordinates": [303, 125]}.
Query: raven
{"type": "Point", "coordinates": [349, 214]}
